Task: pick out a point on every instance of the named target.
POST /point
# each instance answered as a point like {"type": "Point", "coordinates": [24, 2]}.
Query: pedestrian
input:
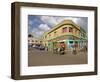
{"type": "Point", "coordinates": [55, 50]}
{"type": "Point", "coordinates": [85, 48]}
{"type": "Point", "coordinates": [71, 47]}
{"type": "Point", "coordinates": [58, 49]}
{"type": "Point", "coordinates": [74, 49]}
{"type": "Point", "coordinates": [47, 48]}
{"type": "Point", "coordinates": [62, 50]}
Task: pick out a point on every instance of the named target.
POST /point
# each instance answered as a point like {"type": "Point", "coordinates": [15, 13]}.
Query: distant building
{"type": "Point", "coordinates": [32, 40]}
{"type": "Point", "coordinates": [66, 33]}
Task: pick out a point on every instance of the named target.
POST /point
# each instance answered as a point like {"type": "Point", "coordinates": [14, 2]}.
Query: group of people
{"type": "Point", "coordinates": [60, 50]}
{"type": "Point", "coordinates": [74, 49]}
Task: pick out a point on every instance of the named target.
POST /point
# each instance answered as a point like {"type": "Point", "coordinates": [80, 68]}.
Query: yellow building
{"type": "Point", "coordinates": [65, 33]}
{"type": "Point", "coordinates": [44, 39]}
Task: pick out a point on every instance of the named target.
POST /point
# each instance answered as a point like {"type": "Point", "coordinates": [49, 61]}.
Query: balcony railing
{"type": "Point", "coordinates": [63, 34]}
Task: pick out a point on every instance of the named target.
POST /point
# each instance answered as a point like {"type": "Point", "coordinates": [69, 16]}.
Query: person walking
{"type": "Point", "coordinates": [62, 50]}
{"type": "Point", "coordinates": [74, 49]}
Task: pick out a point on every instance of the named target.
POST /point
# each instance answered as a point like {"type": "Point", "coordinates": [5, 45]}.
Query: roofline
{"type": "Point", "coordinates": [49, 31]}
{"type": "Point", "coordinates": [64, 22]}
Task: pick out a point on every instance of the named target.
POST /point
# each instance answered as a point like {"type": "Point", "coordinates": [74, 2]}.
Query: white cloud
{"type": "Point", "coordinates": [50, 20]}
{"type": "Point", "coordinates": [44, 27]}
{"type": "Point", "coordinates": [59, 19]}
{"type": "Point", "coordinates": [37, 32]}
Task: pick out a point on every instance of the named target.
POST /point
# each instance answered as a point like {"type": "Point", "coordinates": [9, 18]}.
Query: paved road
{"type": "Point", "coordinates": [43, 58]}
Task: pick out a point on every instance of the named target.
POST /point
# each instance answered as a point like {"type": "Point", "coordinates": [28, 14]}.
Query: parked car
{"type": "Point", "coordinates": [42, 47]}
{"type": "Point", "coordinates": [33, 46]}
{"type": "Point", "coordinates": [37, 46]}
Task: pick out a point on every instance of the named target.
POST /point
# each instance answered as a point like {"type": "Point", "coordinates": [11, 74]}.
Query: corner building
{"type": "Point", "coordinates": [66, 33]}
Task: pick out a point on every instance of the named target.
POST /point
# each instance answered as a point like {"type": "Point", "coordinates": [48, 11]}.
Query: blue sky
{"type": "Point", "coordinates": [38, 24]}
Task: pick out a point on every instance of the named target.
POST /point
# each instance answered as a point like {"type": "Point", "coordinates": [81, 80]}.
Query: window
{"type": "Point", "coordinates": [84, 35]}
{"type": "Point", "coordinates": [40, 41]}
{"type": "Point", "coordinates": [76, 31]}
{"type": "Point", "coordinates": [64, 29]}
{"type": "Point", "coordinates": [70, 29]}
{"type": "Point", "coordinates": [76, 42]}
{"type": "Point", "coordinates": [71, 42]}
{"type": "Point", "coordinates": [30, 35]}
{"type": "Point", "coordinates": [55, 33]}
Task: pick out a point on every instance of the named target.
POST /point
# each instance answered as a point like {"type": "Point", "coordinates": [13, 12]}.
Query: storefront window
{"type": "Point", "coordinates": [71, 42]}
{"type": "Point", "coordinates": [76, 42]}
